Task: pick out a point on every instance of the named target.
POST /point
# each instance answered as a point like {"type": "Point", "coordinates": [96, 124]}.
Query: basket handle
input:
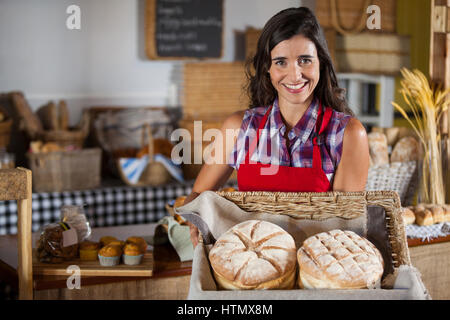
{"type": "Point", "coordinates": [147, 133]}
{"type": "Point", "coordinates": [335, 21]}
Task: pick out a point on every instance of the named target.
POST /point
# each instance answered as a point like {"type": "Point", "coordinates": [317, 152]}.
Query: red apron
{"type": "Point", "coordinates": [256, 176]}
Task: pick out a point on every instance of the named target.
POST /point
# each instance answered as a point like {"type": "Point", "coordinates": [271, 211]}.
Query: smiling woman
{"type": "Point", "coordinates": [298, 134]}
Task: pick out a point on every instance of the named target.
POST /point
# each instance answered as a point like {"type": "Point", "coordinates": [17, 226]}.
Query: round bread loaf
{"type": "Point", "coordinates": [378, 148]}
{"type": "Point", "coordinates": [254, 254]}
{"type": "Point", "coordinates": [406, 149]}
{"type": "Point", "coordinates": [339, 260]}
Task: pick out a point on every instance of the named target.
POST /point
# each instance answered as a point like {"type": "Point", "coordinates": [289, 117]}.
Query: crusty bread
{"type": "Point", "coordinates": [424, 217]}
{"type": "Point", "coordinates": [339, 259]}
{"type": "Point", "coordinates": [408, 216]}
{"type": "Point", "coordinates": [406, 149]}
{"type": "Point", "coordinates": [438, 213]}
{"type": "Point", "coordinates": [254, 254]}
{"type": "Point", "coordinates": [378, 148]}
{"type": "Point", "coordinates": [447, 212]}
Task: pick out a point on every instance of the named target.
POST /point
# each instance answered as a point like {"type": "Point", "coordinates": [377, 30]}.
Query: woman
{"type": "Point", "coordinates": [298, 134]}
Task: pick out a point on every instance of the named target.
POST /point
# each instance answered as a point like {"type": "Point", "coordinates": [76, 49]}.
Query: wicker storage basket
{"type": "Point", "coordinates": [345, 206]}
{"type": "Point", "coordinates": [350, 12]}
{"type": "Point", "coordinates": [155, 172]}
{"type": "Point", "coordinates": [65, 171]}
{"type": "Point", "coordinates": [213, 90]}
{"type": "Point", "coordinates": [401, 177]}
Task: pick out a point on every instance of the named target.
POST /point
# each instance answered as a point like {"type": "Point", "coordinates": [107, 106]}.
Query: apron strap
{"type": "Point", "coordinates": [323, 118]}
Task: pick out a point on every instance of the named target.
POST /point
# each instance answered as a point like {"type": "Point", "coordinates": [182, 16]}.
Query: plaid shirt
{"type": "Point", "coordinates": [300, 150]}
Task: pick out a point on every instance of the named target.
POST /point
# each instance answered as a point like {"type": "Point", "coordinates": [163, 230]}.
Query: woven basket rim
{"type": "Point", "coordinates": [387, 199]}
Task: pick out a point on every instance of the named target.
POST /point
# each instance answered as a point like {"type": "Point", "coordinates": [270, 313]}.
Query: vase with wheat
{"type": "Point", "coordinates": [427, 102]}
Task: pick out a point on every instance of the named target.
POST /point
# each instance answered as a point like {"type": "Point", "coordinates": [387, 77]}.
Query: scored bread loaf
{"type": "Point", "coordinates": [424, 217]}
{"type": "Point", "coordinates": [408, 216]}
{"type": "Point", "coordinates": [339, 259]}
{"type": "Point", "coordinates": [378, 148]}
{"type": "Point", "coordinates": [406, 149]}
{"type": "Point", "coordinates": [254, 254]}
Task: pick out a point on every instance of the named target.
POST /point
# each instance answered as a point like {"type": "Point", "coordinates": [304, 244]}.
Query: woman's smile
{"type": "Point", "coordinates": [295, 88]}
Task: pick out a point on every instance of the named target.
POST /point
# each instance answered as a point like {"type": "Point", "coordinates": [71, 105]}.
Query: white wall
{"type": "Point", "coordinates": [104, 63]}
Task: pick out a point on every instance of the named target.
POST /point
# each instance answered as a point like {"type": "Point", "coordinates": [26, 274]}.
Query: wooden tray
{"type": "Point", "coordinates": [93, 268]}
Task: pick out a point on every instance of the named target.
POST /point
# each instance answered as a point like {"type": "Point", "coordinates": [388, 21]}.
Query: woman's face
{"type": "Point", "coordinates": [295, 70]}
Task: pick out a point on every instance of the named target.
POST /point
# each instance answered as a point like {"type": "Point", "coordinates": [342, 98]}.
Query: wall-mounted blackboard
{"type": "Point", "coordinates": [180, 29]}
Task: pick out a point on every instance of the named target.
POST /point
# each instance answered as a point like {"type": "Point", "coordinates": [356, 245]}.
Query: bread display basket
{"type": "Point", "coordinates": [375, 215]}
{"type": "Point", "coordinates": [401, 177]}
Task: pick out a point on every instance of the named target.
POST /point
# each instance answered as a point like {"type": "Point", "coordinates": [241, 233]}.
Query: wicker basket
{"type": "Point", "coordinates": [74, 137]}
{"type": "Point", "coordinates": [401, 177]}
{"type": "Point", "coordinates": [155, 173]}
{"type": "Point", "coordinates": [65, 170]}
{"type": "Point", "coordinates": [321, 206]}
{"type": "Point", "coordinates": [384, 227]}
{"type": "Point", "coordinates": [213, 90]}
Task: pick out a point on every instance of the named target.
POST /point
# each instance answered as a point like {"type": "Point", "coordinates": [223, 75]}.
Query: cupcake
{"type": "Point", "coordinates": [109, 255]}
{"type": "Point", "coordinates": [89, 250]}
{"type": "Point", "coordinates": [139, 241]}
{"type": "Point", "coordinates": [106, 240]}
{"type": "Point", "coordinates": [119, 243]}
{"type": "Point", "coordinates": [132, 254]}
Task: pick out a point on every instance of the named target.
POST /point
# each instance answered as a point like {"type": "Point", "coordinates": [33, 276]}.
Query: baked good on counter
{"type": "Point", "coordinates": [447, 212]}
{"type": "Point", "coordinates": [427, 214]}
{"type": "Point", "coordinates": [254, 254]}
{"type": "Point", "coordinates": [139, 241]}
{"type": "Point", "coordinates": [424, 217]}
{"type": "Point", "coordinates": [89, 250]}
{"type": "Point", "coordinates": [50, 246]}
{"type": "Point", "coordinates": [408, 216]}
{"type": "Point", "coordinates": [109, 255]}
{"type": "Point", "coordinates": [378, 148]}
{"type": "Point", "coordinates": [119, 243]}
{"type": "Point", "coordinates": [132, 254]}
{"type": "Point", "coordinates": [406, 149]}
{"type": "Point", "coordinates": [339, 259]}
{"type": "Point", "coordinates": [106, 240]}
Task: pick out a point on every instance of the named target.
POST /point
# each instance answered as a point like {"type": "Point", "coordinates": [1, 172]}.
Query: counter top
{"type": "Point", "coordinates": [166, 261]}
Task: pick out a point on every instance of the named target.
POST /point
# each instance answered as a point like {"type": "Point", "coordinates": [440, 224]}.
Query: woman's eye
{"type": "Point", "coordinates": [304, 61]}
{"type": "Point", "coordinates": [280, 63]}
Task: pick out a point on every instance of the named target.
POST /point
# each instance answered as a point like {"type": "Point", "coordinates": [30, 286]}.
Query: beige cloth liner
{"type": "Point", "coordinates": [220, 215]}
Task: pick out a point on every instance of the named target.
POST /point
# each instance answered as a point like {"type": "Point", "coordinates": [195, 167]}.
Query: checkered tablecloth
{"type": "Point", "coordinates": [415, 231]}
{"type": "Point", "coordinates": [106, 206]}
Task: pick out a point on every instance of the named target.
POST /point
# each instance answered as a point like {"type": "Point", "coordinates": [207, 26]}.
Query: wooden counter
{"type": "Point", "coordinates": [432, 259]}
{"type": "Point", "coordinates": [170, 279]}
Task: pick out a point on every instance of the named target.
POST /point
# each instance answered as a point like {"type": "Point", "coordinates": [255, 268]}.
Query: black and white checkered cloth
{"type": "Point", "coordinates": [106, 206]}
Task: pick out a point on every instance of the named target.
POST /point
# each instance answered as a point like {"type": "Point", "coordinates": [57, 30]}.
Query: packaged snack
{"type": "Point", "coordinates": [59, 241]}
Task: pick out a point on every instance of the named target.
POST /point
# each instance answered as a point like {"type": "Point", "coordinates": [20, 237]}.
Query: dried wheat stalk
{"type": "Point", "coordinates": [427, 103]}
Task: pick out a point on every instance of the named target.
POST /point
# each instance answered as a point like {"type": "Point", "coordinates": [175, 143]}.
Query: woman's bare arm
{"type": "Point", "coordinates": [352, 171]}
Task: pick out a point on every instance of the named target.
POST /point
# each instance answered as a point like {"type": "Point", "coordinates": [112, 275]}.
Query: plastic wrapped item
{"type": "Point", "coordinates": [58, 242]}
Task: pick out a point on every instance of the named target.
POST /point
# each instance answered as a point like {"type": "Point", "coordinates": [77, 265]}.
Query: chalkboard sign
{"type": "Point", "coordinates": [184, 29]}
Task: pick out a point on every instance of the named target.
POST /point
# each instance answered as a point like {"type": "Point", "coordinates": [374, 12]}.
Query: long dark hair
{"type": "Point", "coordinates": [283, 26]}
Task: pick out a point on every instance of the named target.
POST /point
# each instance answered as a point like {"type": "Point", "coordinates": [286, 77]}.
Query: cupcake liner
{"type": "Point", "coordinates": [132, 260]}
{"type": "Point", "coordinates": [109, 261]}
